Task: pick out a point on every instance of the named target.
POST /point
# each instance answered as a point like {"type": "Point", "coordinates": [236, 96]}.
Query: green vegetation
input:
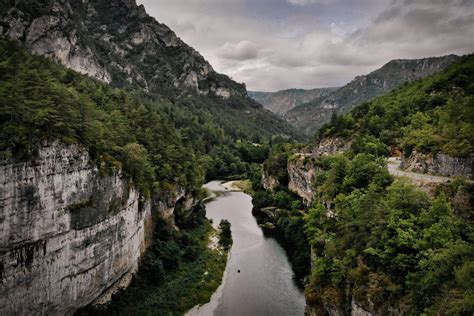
{"type": "Point", "coordinates": [288, 216]}
{"type": "Point", "coordinates": [178, 272]}
{"type": "Point", "coordinates": [44, 101]}
{"type": "Point", "coordinates": [387, 241]}
{"type": "Point", "coordinates": [225, 234]}
{"type": "Point", "coordinates": [235, 161]}
{"type": "Point", "coordinates": [156, 142]}
{"type": "Point", "coordinates": [435, 114]}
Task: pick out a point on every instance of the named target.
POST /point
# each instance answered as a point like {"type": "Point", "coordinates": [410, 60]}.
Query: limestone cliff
{"type": "Point", "coordinates": [310, 116]}
{"type": "Point", "coordinates": [301, 175]}
{"type": "Point", "coordinates": [302, 168]}
{"type": "Point", "coordinates": [269, 182]}
{"type": "Point", "coordinates": [69, 236]}
{"type": "Point", "coordinates": [439, 164]}
{"type": "Point", "coordinates": [114, 41]}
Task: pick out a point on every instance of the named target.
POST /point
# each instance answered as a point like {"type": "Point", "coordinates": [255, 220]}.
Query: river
{"type": "Point", "coordinates": [265, 284]}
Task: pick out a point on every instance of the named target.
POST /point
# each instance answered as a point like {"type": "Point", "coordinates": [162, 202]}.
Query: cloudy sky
{"type": "Point", "coordinates": [278, 44]}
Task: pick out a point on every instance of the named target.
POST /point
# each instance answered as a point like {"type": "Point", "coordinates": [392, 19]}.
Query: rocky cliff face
{"type": "Point", "coordinates": [68, 235]}
{"type": "Point", "coordinates": [311, 116]}
{"type": "Point", "coordinates": [302, 168]}
{"type": "Point", "coordinates": [439, 164]}
{"type": "Point", "coordinates": [283, 101]}
{"type": "Point", "coordinates": [269, 182]}
{"type": "Point", "coordinates": [301, 175]}
{"type": "Point", "coordinates": [114, 41]}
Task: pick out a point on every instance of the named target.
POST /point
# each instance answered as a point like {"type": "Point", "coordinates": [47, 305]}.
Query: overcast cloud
{"type": "Point", "coordinates": [278, 44]}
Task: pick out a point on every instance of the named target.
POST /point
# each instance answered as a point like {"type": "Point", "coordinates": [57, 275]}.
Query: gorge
{"type": "Point", "coordinates": [120, 145]}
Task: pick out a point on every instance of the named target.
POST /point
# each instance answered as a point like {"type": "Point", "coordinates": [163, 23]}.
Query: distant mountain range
{"type": "Point", "coordinates": [309, 116]}
{"type": "Point", "coordinates": [285, 100]}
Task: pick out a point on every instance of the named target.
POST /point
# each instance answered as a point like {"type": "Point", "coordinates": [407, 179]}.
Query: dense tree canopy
{"type": "Point", "coordinates": [435, 114]}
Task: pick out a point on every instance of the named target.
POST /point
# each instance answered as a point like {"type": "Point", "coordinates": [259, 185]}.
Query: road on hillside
{"type": "Point", "coordinates": [393, 165]}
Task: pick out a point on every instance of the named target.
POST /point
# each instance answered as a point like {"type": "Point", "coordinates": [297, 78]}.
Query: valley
{"type": "Point", "coordinates": [137, 179]}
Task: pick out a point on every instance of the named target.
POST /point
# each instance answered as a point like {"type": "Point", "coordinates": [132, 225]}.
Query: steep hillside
{"type": "Point", "coordinates": [86, 170]}
{"type": "Point", "coordinates": [283, 101]}
{"type": "Point", "coordinates": [382, 244]}
{"type": "Point", "coordinates": [119, 43]}
{"type": "Point", "coordinates": [309, 117]}
{"type": "Point", "coordinates": [430, 116]}
{"type": "Point", "coordinates": [398, 246]}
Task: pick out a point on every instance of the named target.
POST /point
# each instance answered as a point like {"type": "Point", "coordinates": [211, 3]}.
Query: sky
{"type": "Point", "coordinates": [278, 44]}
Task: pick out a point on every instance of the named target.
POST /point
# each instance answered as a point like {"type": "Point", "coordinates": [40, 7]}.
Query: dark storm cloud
{"type": "Point", "coordinates": [277, 44]}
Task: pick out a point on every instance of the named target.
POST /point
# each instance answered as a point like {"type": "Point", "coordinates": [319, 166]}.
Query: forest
{"type": "Point", "coordinates": [156, 142]}
{"type": "Point", "coordinates": [378, 240]}
{"type": "Point", "coordinates": [431, 115]}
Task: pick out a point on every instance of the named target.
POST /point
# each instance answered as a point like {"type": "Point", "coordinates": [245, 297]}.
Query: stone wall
{"type": "Point", "coordinates": [68, 235]}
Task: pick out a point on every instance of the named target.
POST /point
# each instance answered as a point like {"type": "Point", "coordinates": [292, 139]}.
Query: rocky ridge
{"type": "Point", "coordinates": [116, 42]}
{"type": "Point", "coordinates": [309, 117]}
{"type": "Point", "coordinates": [283, 101]}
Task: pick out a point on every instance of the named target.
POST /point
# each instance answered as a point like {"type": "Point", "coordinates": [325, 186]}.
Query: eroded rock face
{"type": "Point", "coordinates": [301, 175]}
{"type": "Point", "coordinates": [302, 168]}
{"type": "Point", "coordinates": [331, 146]}
{"type": "Point", "coordinates": [117, 42]}
{"type": "Point", "coordinates": [439, 164]}
{"type": "Point", "coordinates": [53, 35]}
{"type": "Point", "coordinates": [269, 182]}
{"type": "Point", "coordinates": [67, 233]}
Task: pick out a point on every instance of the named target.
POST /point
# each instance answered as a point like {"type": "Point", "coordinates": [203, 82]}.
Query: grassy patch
{"type": "Point", "coordinates": [245, 186]}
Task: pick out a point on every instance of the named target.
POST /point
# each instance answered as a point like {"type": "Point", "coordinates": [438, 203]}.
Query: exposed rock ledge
{"type": "Point", "coordinates": [269, 182]}
{"type": "Point", "coordinates": [439, 164]}
{"type": "Point", "coordinates": [67, 234]}
{"type": "Point", "coordinates": [301, 175]}
{"type": "Point", "coordinates": [302, 167]}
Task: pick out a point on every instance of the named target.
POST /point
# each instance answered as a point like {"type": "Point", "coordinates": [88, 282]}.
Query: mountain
{"type": "Point", "coordinates": [117, 42]}
{"type": "Point", "coordinates": [310, 116]}
{"type": "Point", "coordinates": [383, 241]}
{"type": "Point", "coordinates": [283, 101]}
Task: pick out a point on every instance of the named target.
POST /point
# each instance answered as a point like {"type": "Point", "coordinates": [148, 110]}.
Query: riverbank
{"type": "Point", "coordinates": [258, 279]}
{"type": "Point", "coordinates": [182, 269]}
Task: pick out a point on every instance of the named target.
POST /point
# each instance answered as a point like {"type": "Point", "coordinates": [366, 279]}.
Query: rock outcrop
{"type": "Point", "coordinates": [331, 146]}
{"type": "Point", "coordinates": [269, 182]}
{"type": "Point", "coordinates": [301, 175]}
{"type": "Point", "coordinates": [439, 164]}
{"type": "Point", "coordinates": [302, 168]}
{"type": "Point", "coordinates": [69, 236]}
{"type": "Point", "coordinates": [114, 41]}
{"type": "Point", "coordinates": [310, 116]}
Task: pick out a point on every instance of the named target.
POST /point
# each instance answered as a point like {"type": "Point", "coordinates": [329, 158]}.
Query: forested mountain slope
{"type": "Point", "coordinates": [283, 101]}
{"type": "Point", "coordinates": [119, 43]}
{"type": "Point", "coordinates": [309, 117]}
{"type": "Point", "coordinates": [432, 115]}
{"type": "Point", "coordinates": [383, 244]}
